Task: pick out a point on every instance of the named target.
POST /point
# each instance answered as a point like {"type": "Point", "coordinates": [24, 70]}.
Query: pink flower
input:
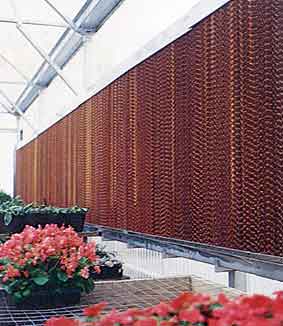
{"type": "Point", "coordinates": [84, 272]}
{"type": "Point", "coordinates": [61, 321]}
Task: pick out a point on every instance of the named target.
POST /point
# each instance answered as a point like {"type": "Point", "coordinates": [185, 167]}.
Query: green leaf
{"type": "Point", "coordinates": [7, 288]}
{"type": "Point", "coordinates": [62, 276]}
{"type": "Point", "coordinates": [183, 323]}
{"type": "Point", "coordinates": [17, 296]}
{"type": "Point", "coordinates": [215, 306]}
{"type": "Point", "coordinates": [83, 260]}
{"type": "Point", "coordinates": [26, 292]}
{"type": "Point", "coordinates": [40, 279]}
{"type": "Point", "coordinates": [8, 218]}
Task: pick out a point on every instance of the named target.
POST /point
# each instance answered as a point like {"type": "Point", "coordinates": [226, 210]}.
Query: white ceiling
{"type": "Point", "coordinates": [16, 50]}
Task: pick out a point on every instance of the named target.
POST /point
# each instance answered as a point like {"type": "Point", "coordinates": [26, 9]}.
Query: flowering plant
{"type": "Point", "coordinates": [188, 310]}
{"type": "Point", "coordinates": [50, 257]}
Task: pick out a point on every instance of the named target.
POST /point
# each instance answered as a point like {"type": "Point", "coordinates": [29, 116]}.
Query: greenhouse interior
{"type": "Point", "coordinates": [141, 179]}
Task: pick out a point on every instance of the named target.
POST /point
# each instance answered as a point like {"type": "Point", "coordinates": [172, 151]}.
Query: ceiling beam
{"type": "Point", "coordinates": [33, 22]}
{"type": "Point", "coordinates": [38, 49]}
{"type": "Point", "coordinates": [46, 58]}
{"type": "Point", "coordinates": [8, 130]}
{"type": "Point", "coordinates": [6, 82]}
{"type": "Point", "coordinates": [90, 18]}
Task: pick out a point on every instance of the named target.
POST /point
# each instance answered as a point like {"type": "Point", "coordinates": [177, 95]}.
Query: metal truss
{"type": "Point", "coordinates": [46, 57]}
{"type": "Point", "coordinates": [8, 130]}
{"type": "Point", "coordinates": [38, 49]}
{"type": "Point", "coordinates": [16, 110]}
{"type": "Point", "coordinates": [68, 21]}
{"type": "Point", "coordinates": [32, 22]}
{"type": "Point", "coordinates": [89, 19]}
{"type": "Point", "coordinates": [7, 82]}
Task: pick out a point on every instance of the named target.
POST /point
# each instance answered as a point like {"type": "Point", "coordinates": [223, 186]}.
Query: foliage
{"type": "Point", "coordinates": [105, 257]}
{"type": "Point", "coordinates": [4, 197]}
{"type": "Point", "coordinates": [11, 208]}
{"type": "Point", "coordinates": [188, 310]}
{"type": "Point", "coordinates": [16, 207]}
{"type": "Point", "coordinates": [33, 208]}
{"type": "Point", "coordinates": [51, 257]}
{"type": "Point", "coordinates": [73, 210]}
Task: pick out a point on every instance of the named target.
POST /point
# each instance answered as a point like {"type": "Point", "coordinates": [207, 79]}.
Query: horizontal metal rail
{"type": "Point", "coordinates": [225, 259]}
{"type": "Point", "coordinates": [8, 130]}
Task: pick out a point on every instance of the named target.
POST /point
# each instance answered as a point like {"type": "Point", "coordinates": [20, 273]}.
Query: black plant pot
{"type": "Point", "coordinates": [16, 225]}
{"type": "Point", "coordinates": [36, 219]}
{"type": "Point", "coordinates": [109, 272]}
{"type": "Point", "coordinates": [58, 219]}
{"type": "Point", "coordinates": [48, 298]}
{"type": "Point", "coordinates": [75, 220]}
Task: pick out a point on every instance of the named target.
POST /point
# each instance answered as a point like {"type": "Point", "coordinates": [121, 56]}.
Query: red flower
{"type": "Point", "coordinates": [61, 321]}
{"type": "Point", "coordinates": [167, 323]}
{"type": "Point", "coordinates": [181, 300]}
{"type": "Point", "coordinates": [222, 299]}
{"type": "Point", "coordinates": [97, 269]}
{"type": "Point", "coordinates": [26, 274]}
{"type": "Point", "coordinates": [197, 309]}
{"type": "Point", "coordinates": [12, 272]}
{"type": "Point", "coordinates": [192, 316]}
{"type": "Point", "coordinates": [162, 309]}
{"type": "Point", "coordinates": [95, 310]}
{"type": "Point", "coordinates": [146, 322]}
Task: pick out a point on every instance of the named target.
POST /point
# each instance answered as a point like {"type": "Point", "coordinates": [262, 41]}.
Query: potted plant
{"type": "Point", "coordinates": [36, 215]}
{"type": "Point", "coordinates": [110, 266]}
{"type": "Point", "coordinates": [11, 216]}
{"type": "Point", "coordinates": [74, 216]}
{"type": "Point", "coordinates": [42, 214]}
{"type": "Point", "coordinates": [47, 267]}
{"type": "Point", "coordinates": [4, 197]}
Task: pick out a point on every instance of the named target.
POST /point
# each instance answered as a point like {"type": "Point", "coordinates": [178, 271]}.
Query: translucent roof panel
{"type": "Point", "coordinates": [17, 51]}
{"type": "Point", "coordinates": [29, 30]}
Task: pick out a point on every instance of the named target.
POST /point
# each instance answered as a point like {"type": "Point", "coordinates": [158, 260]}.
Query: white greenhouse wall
{"type": "Point", "coordinates": [7, 151]}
